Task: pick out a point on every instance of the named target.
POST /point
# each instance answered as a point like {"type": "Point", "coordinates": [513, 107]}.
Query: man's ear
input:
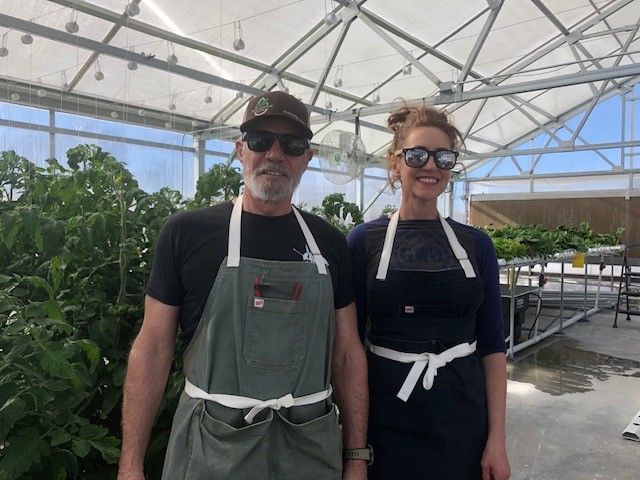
{"type": "Point", "coordinates": [240, 150]}
{"type": "Point", "coordinates": [309, 155]}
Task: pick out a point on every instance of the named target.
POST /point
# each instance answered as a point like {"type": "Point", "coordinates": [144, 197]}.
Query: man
{"type": "Point", "coordinates": [264, 299]}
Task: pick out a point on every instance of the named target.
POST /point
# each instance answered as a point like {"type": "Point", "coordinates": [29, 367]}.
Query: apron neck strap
{"type": "Point", "coordinates": [233, 254]}
{"type": "Point", "coordinates": [458, 250]}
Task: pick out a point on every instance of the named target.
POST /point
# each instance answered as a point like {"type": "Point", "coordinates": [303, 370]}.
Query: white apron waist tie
{"type": "Point", "coordinates": [256, 406]}
{"type": "Point", "coordinates": [431, 361]}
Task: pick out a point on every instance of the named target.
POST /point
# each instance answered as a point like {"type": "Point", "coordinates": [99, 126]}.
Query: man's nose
{"type": "Point", "coordinates": [275, 150]}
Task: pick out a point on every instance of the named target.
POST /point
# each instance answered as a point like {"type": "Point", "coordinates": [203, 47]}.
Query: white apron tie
{"type": "Point", "coordinates": [256, 406]}
{"type": "Point", "coordinates": [431, 361]}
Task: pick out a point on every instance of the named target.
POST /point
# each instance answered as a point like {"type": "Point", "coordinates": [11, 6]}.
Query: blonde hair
{"type": "Point", "coordinates": [406, 118]}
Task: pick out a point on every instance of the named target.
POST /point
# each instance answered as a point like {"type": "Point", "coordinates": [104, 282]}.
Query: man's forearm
{"type": "Point", "coordinates": [144, 386]}
{"type": "Point", "coordinates": [350, 383]}
{"type": "Point", "coordinates": [349, 378]}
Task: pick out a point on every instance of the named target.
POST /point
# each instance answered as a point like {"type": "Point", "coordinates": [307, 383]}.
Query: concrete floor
{"type": "Point", "coordinates": [570, 397]}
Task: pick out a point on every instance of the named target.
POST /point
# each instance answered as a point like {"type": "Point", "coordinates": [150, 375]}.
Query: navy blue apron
{"type": "Point", "coordinates": [428, 419]}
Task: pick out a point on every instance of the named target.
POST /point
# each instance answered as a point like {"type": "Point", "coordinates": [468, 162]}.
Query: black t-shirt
{"type": "Point", "coordinates": [192, 245]}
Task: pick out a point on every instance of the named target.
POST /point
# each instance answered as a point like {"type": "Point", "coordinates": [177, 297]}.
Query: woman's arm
{"type": "Point", "coordinates": [495, 464]}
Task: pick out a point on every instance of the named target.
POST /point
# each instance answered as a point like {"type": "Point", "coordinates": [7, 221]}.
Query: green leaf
{"type": "Point", "coordinates": [108, 448]}
{"type": "Point", "coordinates": [92, 432]}
{"type": "Point", "coordinates": [20, 453]}
{"type": "Point", "coordinates": [6, 305]}
{"type": "Point", "coordinates": [7, 390]}
{"type": "Point", "coordinates": [92, 351]}
{"type": "Point", "coordinates": [11, 236]}
{"type": "Point", "coordinates": [55, 312]}
{"type": "Point", "coordinates": [55, 362]}
{"type": "Point", "coordinates": [39, 282]}
{"type": "Point", "coordinates": [10, 413]}
{"type": "Point", "coordinates": [80, 447]}
{"type": "Point", "coordinates": [58, 437]}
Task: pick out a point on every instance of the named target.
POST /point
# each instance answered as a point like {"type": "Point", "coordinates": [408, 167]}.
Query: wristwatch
{"type": "Point", "coordinates": [360, 454]}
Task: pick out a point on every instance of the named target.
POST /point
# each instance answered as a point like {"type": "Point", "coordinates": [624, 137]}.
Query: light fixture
{"type": "Point", "coordinates": [132, 9]}
{"type": "Point", "coordinates": [114, 114]}
{"type": "Point", "coordinates": [167, 125]}
{"type": "Point", "coordinates": [337, 82]}
{"type": "Point", "coordinates": [376, 95]}
{"type": "Point", "coordinates": [239, 94]}
{"type": "Point", "coordinates": [141, 112]}
{"type": "Point", "coordinates": [27, 39]}
{"type": "Point", "coordinates": [98, 75]}
{"type": "Point", "coordinates": [41, 92]}
{"type": "Point", "coordinates": [238, 42]}
{"type": "Point", "coordinates": [406, 68]}
{"type": "Point", "coordinates": [194, 123]}
{"type": "Point", "coordinates": [207, 97]}
{"type": "Point", "coordinates": [72, 25]}
{"type": "Point", "coordinates": [171, 58]}
{"type": "Point", "coordinates": [331, 19]}
{"type": "Point", "coordinates": [132, 64]}
{"type": "Point", "coordinates": [327, 102]}
{"type": "Point", "coordinates": [4, 51]}
{"type": "Point", "coordinates": [15, 96]}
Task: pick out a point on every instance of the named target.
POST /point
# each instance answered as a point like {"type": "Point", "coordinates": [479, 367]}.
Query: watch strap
{"type": "Point", "coordinates": [365, 454]}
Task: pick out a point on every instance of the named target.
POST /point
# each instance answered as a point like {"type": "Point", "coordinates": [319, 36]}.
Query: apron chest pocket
{"type": "Point", "coordinates": [275, 335]}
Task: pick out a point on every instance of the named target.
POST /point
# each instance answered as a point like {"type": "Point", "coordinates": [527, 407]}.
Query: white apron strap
{"type": "Point", "coordinates": [311, 242]}
{"type": "Point", "coordinates": [233, 253]}
{"type": "Point", "coordinates": [385, 257]}
{"type": "Point", "coordinates": [458, 250]}
{"type": "Point", "coordinates": [256, 406]}
{"type": "Point", "coordinates": [431, 361]}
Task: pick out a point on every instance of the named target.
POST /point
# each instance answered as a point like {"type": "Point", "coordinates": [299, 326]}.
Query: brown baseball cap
{"type": "Point", "coordinates": [276, 105]}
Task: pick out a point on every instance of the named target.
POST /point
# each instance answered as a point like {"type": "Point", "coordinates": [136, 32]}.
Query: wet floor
{"type": "Point", "coordinates": [558, 366]}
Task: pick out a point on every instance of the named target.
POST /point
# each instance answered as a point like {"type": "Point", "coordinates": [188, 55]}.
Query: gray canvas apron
{"type": "Point", "coordinates": [257, 403]}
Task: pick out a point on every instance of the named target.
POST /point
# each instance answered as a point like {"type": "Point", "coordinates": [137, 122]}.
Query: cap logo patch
{"type": "Point", "coordinates": [261, 107]}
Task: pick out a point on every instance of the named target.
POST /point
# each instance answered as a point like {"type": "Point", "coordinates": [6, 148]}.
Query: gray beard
{"type": "Point", "coordinates": [270, 191]}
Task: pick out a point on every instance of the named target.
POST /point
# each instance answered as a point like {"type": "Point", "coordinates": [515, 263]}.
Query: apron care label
{"type": "Point", "coordinates": [258, 302]}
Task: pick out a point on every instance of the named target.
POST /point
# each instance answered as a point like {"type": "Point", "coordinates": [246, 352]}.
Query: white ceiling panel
{"type": "Point", "coordinates": [543, 52]}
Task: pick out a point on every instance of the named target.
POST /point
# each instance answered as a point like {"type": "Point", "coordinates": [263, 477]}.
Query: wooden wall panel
{"type": "Point", "coordinates": [602, 214]}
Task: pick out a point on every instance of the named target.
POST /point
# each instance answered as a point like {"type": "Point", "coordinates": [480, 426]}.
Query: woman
{"type": "Point", "coordinates": [429, 288]}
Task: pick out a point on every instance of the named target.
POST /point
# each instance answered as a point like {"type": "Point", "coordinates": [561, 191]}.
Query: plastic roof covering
{"type": "Point", "coordinates": [462, 53]}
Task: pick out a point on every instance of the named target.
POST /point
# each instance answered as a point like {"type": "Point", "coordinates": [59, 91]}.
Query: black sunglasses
{"type": "Point", "coordinates": [417, 157]}
{"type": "Point", "coordinates": [263, 141]}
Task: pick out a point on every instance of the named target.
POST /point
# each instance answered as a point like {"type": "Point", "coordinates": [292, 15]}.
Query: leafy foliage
{"type": "Point", "coordinates": [339, 213]}
{"type": "Point", "coordinates": [538, 240]}
{"type": "Point", "coordinates": [76, 246]}
{"type": "Point", "coordinates": [220, 184]}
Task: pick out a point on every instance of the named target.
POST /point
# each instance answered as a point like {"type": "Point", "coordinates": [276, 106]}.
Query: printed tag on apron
{"type": "Point", "coordinates": [258, 302]}
{"type": "Point", "coordinates": [409, 309]}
